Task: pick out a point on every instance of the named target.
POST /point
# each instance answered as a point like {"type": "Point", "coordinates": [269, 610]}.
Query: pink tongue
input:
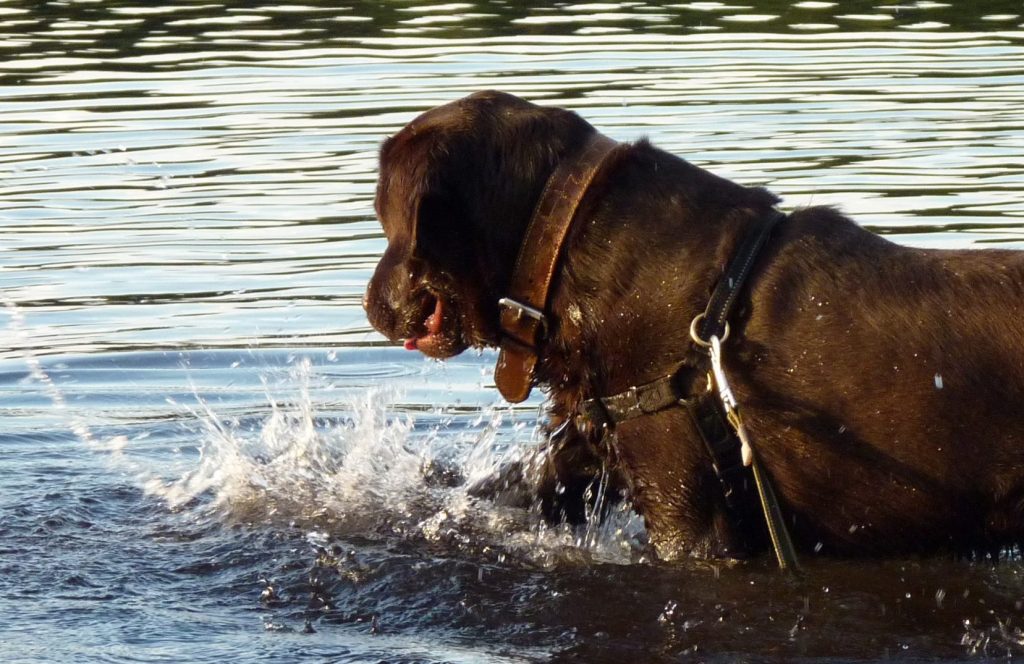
{"type": "Point", "coordinates": [434, 320]}
{"type": "Point", "coordinates": [433, 325]}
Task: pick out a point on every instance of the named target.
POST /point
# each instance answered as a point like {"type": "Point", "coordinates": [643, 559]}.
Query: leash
{"type": "Point", "coordinates": [715, 319]}
{"type": "Point", "coordinates": [717, 420]}
{"type": "Point", "coordinates": [782, 543]}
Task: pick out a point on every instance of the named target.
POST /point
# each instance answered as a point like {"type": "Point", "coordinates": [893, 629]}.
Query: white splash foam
{"type": "Point", "coordinates": [369, 474]}
{"type": "Point", "coordinates": [289, 466]}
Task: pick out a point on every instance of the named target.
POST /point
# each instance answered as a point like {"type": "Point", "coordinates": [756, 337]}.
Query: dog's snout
{"type": "Point", "coordinates": [387, 299]}
{"type": "Point", "coordinates": [378, 311]}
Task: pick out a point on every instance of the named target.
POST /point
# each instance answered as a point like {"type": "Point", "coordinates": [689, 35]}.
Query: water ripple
{"type": "Point", "coordinates": [186, 214]}
{"type": "Point", "coordinates": [185, 166]}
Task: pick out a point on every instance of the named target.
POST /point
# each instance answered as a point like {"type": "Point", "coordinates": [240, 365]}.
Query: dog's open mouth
{"type": "Point", "coordinates": [436, 340]}
{"type": "Point", "coordinates": [434, 307]}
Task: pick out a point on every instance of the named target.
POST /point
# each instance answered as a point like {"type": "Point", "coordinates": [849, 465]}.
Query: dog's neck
{"type": "Point", "coordinates": [524, 311]}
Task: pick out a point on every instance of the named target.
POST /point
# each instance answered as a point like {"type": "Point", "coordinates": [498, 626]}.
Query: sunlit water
{"type": "Point", "coordinates": [206, 453]}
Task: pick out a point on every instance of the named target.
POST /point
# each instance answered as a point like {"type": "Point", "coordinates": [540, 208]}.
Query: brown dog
{"type": "Point", "coordinates": [882, 386]}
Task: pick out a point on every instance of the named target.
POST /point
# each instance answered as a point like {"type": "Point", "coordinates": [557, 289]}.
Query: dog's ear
{"type": "Point", "coordinates": [404, 181]}
{"type": "Point", "coordinates": [411, 199]}
{"type": "Point", "coordinates": [441, 234]}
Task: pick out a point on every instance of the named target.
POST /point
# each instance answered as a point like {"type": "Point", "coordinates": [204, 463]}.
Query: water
{"type": "Point", "coordinates": [207, 454]}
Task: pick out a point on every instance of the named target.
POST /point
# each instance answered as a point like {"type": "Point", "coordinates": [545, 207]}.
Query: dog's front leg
{"type": "Point", "coordinates": [560, 476]}
{"type": "Point", "coordinates": [673, 487]}
{"type": "Point", "coordinates": [570, 470]}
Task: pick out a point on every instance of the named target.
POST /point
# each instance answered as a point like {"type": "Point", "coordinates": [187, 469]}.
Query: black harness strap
{"type": "Point", "coordinates": [706, 411]}
{"type": "Point", "coordinates": [636, 401]}
{"type": "Point", "coordinates": [723, 299]}
{"type": "Point", "coordinates": [669, 390]}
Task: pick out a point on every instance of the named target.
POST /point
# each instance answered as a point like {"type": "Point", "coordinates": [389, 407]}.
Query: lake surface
{"type": "Point", "coordinates": [207, 455]}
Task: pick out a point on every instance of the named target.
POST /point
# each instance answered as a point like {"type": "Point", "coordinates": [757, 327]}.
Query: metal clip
{"type": "Point", "coordinates": [732, 407]}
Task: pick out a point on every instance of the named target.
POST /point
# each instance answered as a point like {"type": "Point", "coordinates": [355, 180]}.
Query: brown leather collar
{"type": "Point", "coordinates": [524, 320]}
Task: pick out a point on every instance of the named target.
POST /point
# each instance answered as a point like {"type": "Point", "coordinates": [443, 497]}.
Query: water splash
{"type": "Point", "coordinates": [18, 327]}
{"type": "Point", "coordinates": [1002, 638]}
{"type": "Point", "coordinates": [377, 471]}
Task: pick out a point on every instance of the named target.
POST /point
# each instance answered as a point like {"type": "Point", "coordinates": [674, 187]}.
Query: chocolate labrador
{"type": "Point", "coordinates": [881, 386]}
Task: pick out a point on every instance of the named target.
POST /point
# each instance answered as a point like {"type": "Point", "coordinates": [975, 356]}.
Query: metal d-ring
{"type": "Point", "coordinates": [696, 336]}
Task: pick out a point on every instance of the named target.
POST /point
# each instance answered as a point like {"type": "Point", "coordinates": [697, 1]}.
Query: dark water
{"type": "Point", "coordinates": [207, 455]}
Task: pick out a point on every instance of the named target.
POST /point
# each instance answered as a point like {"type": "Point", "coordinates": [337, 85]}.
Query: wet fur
{"type": "Point", "coordinates": [837, 355]}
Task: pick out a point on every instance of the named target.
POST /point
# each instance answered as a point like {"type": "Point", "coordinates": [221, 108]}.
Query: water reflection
{"type": "Point", "coordinates": [119, 28]}
{"type": "Point", "coordinates": [199, 170]}
{"type": "Point", "coordinates": [197, 174]}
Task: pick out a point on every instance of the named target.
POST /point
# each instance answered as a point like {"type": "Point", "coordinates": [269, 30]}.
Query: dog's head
{"type": "Point", "coordinates": [457, 187]}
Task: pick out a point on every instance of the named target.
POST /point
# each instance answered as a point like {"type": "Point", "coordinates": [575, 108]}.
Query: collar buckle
{"type": "Point", "coordinates": [522, 323]}
{"type": "Point", "coordinates": [518, 310]}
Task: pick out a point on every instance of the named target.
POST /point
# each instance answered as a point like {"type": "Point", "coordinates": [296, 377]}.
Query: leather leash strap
{"type": "Point", "coordinates": [523, 317]}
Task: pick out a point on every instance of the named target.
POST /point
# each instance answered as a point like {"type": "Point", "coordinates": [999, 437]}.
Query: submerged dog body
{"type": "Point", "coordinates": [882, 385]}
